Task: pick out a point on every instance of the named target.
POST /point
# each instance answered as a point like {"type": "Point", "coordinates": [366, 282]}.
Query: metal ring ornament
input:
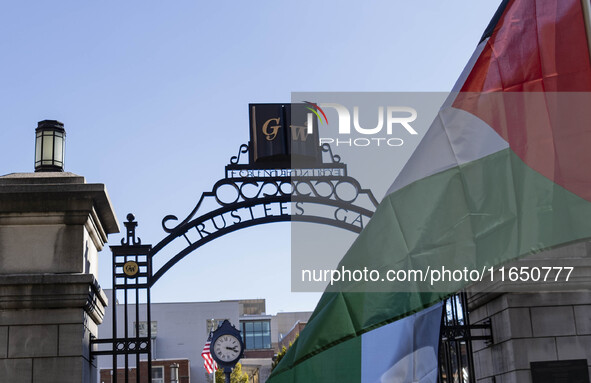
{"type": "Point", "coordinates": [340, 198]}
{"type": "Point", "coordinates": [233, 185]}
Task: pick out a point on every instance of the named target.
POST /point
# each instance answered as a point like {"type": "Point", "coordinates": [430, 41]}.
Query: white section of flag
{"type": "Point", "coordinates": [456, 137]}
{"type": "Point", "coordinates": [404, 351]}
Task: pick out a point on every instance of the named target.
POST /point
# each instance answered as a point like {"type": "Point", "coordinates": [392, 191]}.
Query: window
{"type": "Point", "coordinates": [143, 329]}
{"type": "Point", "coordinates": [257, 334]}
{"type": "Point", "coordinates": [158, 374]}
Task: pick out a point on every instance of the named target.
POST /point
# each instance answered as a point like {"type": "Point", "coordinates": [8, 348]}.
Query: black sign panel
{"type": "Point", "coordinates": [280, 133]}
{"type": "Point", "coordinates": [267, 133]}
{"type": "Point", "coordinates": [562, 371]}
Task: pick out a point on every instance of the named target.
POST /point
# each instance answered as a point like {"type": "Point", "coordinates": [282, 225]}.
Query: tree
{"type": "Point", "coordinates": [281, 353]}
{"type": "Point", "coordinates": [237, 376]}
{"type": "Point", "coordinates": [278, 358]}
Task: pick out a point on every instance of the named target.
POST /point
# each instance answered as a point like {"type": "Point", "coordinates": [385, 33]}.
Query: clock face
{"type": "Point", "coordinates": [227, 348]}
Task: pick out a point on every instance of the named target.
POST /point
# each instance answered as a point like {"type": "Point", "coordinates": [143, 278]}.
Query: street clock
{"type": "Point", "coordinates": [227, 346]}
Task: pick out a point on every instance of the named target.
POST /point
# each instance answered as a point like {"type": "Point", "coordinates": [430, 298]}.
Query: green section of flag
{"type": "Point", "coordinates": [341, 363]}
{"type": "Point", "coordinates": [481, 213]}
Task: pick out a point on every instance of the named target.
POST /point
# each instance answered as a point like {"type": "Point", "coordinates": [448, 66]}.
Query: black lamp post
{"type": "Point", "coordinates": [50, 146]}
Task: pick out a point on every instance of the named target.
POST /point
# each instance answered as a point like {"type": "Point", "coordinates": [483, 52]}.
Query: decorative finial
{"type": "Point", "coordinates": [130, 225]}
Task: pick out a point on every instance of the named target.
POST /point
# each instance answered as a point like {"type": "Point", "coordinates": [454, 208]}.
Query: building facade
{"type": "Point", "coordinates": [163, 371]}
{"type": "Point", "coordinates": [180, 330]}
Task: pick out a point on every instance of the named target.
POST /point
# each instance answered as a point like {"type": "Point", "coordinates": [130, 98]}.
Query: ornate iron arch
{"type": "Point", "coordinates": [266, 195]}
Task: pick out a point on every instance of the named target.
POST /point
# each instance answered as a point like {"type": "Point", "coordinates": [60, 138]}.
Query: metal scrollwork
{"type": "Point", "coordinates": [335, 158]}
{"type": "Point", "coordinates": [235, 160]}
{"type": "Point", "coordinates": [229, 190]}
{"type": "Point", "coordinates": [172, 217]}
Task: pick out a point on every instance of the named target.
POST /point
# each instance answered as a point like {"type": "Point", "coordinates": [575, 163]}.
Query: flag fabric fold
{"type": "Point", "coordinates": [501, 173]}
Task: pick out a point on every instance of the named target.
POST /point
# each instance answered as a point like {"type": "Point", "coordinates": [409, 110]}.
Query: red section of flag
{"type": "Point", "coordinates": [208, 362]}
{"type": "Point", "coordinates": [538, 46]}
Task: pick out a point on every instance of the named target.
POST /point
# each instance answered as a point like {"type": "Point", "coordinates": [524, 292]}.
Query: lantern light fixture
{"type": "Point", "coordinates": [50, 146]}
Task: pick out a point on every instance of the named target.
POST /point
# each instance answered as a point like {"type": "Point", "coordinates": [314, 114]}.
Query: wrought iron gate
{"type": "Point", "coordinates": [132, 274]}
{"type": "Point", "coordinates": [456, 362]}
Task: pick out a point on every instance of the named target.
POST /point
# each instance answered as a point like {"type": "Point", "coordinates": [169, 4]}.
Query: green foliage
{"type": "Point", "coordinates": [281, 354]}
{"type": "Point", "coordinates": [278, 358]}
{"type": "Point", "coordinates": [237, 376]}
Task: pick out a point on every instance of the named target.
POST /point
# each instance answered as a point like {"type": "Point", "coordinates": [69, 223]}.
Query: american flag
{"type": "Point", "coordinates": [208, 362]}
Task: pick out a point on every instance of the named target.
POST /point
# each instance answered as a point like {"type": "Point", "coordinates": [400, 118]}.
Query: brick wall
{"type": "Point", "coordinates": [184, 375]}
{"type": "Point", "coordinates": [291, 336]}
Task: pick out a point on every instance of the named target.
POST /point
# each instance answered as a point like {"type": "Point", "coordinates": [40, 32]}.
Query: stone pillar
{"type": "Point", "coordinates": [52, 226]}
{"type": "Point", "coordinates": [543, 323]}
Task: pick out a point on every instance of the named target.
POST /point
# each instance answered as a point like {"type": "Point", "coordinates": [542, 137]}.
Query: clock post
{"type": "Point", "coordinates": [227, 347]}
{"type": "Point", "coordinates": [227, 372]}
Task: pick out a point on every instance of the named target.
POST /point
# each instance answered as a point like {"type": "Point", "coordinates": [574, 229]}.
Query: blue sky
{"type": "Point", "coordinates": [154, 97]}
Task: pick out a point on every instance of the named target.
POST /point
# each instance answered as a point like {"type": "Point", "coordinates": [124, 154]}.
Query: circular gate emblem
{"type": "Point", "coordinates": [131, 268]}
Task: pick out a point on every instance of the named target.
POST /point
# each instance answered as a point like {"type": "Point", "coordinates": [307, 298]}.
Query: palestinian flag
{"type": "Point", "coordinates": [504, 171]}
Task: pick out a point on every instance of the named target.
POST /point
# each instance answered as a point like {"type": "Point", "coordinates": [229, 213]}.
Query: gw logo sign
{"type": "Point", "coordinates": [393, 116]}
{"type": "Point", "coordinates": [271, 128]}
